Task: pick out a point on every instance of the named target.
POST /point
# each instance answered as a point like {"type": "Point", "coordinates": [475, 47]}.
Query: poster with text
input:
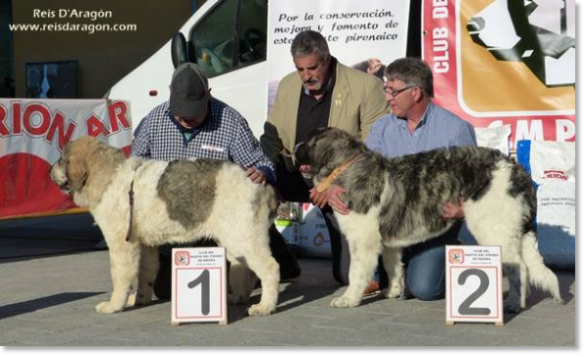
{"type": "Point", "coordinates": [366, 35]}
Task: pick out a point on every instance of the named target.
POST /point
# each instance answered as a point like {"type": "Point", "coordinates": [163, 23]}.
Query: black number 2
{"type": "Point", "coordinates": [465, 308]}
{"type": "Point", "coordinates": [204, 280]}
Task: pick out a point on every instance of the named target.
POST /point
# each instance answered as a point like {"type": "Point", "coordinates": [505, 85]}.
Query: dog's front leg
{"type": "Point", "coordinates": [364, 251]}
{"type": "Point", "coordinates": [147, 273]}
{"type": "Point", "coordinates": [395, 272]}
{"type": "Point", "coordinates": [124, 261]}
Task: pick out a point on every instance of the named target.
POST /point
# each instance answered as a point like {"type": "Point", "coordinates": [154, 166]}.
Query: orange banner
{"type": "Point", "coordinates": [499, 62]}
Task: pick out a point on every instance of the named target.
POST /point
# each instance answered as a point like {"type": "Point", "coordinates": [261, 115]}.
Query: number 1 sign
{"type": "Point", "coordinates": [199, 285]}
{"type": "Point", "coordinates": [473, 284]}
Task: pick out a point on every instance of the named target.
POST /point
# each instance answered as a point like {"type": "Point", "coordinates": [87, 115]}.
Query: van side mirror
{"type": "Point", "coordinates": [179, 51]}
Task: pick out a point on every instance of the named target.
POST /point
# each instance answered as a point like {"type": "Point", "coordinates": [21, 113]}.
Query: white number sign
{"type": "Point", "coordinates": [199, 285]}
{"type": "Point", "coordinates": [473, 284]}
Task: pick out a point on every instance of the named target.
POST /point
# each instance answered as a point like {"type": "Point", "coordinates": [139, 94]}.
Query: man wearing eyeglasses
{"type": "Point", "coordinates": [416, 125]}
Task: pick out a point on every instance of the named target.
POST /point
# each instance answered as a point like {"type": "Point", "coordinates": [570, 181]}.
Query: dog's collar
{"type": "Point", "coordinates": [131, 206]}
{"type": "Point", "coordinates": [83, 180]}
{"type": "Point", "coordinates": [336, 173]}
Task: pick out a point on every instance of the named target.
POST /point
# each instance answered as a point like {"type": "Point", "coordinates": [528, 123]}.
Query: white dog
{"type": "Point", "coordinates": [141, 204]}
{"type": "Point", "coordinates": [395, 203]}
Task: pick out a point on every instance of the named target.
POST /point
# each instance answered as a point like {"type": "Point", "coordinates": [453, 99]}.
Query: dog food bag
{"type": "Point", "coordinates": [288, 211]}
{"type": "Point", "coordinates": [495, 138]}
{"type": "Point", "coordinates": [552, 166]}
{"type": "Point", "coordinates": [314, 239]}
{"type": "Point", "coordinates": [287, 223]}
{"type": "Point", "coordinates": [289, 230]}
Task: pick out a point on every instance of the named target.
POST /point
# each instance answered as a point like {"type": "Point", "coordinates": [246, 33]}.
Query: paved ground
{"type": "Point", "coordinates": [50, 301]}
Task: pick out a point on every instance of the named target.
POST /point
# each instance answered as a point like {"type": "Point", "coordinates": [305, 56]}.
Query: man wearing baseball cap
{"type": "Point", "coordinates": [193, 124]}
{"type": "Point", "coordinates": [189, 95]}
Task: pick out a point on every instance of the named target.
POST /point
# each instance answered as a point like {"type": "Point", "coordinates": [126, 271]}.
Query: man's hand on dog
{"type": "Point", "coordinates": [453, 210]}
{"type": "Point", "coordinates": [330, 196]}
{"type": "Point", "coordinates": [257, 176]}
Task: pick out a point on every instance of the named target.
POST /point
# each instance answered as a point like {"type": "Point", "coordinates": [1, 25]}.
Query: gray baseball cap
{"type": "Point", "coordinates": [189, 92]}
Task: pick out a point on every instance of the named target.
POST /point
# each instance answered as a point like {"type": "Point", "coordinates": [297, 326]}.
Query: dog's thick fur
{"type": "Point", "coordinates": [174, 202]}
{"type": "Point", "coordinates": [395, 203]}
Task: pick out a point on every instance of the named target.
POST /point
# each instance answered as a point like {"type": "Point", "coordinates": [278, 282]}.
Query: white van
{"type": "Point", "coordinates": [237, 73]}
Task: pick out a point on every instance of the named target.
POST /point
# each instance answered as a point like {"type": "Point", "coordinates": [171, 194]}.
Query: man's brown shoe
{"type": "Point", "coordinates": [372, 288]}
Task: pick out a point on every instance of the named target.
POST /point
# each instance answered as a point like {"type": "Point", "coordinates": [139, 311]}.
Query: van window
{"type": "Point", "coordinates": [253, 33]}
{"type": "Point", "coordinates": [213, 37]}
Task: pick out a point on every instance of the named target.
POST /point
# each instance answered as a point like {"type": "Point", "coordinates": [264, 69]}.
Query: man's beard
{"type": "Point", "coordinates": [317, 86]}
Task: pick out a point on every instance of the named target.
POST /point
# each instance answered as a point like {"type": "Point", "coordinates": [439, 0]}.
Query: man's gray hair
{"type": "Point", "coordinates": [310, 42]}
{"type": "Point", "coordinates": [412, 71]}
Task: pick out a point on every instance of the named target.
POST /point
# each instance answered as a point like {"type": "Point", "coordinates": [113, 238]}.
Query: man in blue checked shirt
{"type": "Point", "coordinates": [193, 124]}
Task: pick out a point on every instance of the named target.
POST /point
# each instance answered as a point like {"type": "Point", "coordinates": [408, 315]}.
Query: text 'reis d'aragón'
{"type": "Point", "coordinates": [72, 14]}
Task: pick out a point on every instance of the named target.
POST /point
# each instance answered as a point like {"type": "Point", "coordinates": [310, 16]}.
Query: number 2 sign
{"type": "Point", "coordinates": [199, 285]}
{"type": "Point", "coordinates": [474, 284]}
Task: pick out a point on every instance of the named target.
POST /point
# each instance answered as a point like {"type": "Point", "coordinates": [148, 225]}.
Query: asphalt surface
{"type": "Point", "coordinates": [51, 278]}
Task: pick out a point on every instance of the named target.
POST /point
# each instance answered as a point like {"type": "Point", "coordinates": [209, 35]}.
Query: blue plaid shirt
{"type": "Point", "coordinates": [224, 135]}
{"type": "Point", "coordinates": [439, 128]}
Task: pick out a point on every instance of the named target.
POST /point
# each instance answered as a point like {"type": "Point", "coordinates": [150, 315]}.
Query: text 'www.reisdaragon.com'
{"type": "Point", "coordinates": [73, 27]}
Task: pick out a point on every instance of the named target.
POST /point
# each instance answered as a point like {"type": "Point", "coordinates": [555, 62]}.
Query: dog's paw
{"type": "Point", "coordinates": [106, 307]}
{"type": "Point", "coordinates": [131, 300]}
{"type": "Point", "coordinates": [138, 300]}
{"type": "Point", "coordinates": [512, 306]}
{"type": "Point", "coordinates": [237, 299]}
{"type": "Point", "coordinates": [260, 310]}
{"type": "Point", "coordinates": [143, 299]}
{"type": "Point", "coordinates": [394, 292]}
{"type": "Point", "coordinates": [343, 301]}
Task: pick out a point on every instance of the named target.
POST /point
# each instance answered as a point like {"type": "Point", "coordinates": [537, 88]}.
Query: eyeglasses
{"type": "Point", "coordinates": [395, 93]}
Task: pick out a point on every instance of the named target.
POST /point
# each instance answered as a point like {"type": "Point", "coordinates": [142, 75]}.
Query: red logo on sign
{"type": "Point", "coordinates": [555, 174]}
{"type": "Point", "coordinates": [456, 256]}
{"type": "Point", "coordinates": [182, 258]}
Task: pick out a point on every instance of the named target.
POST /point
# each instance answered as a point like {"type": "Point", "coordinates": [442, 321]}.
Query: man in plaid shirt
{"type": "Point", "coordinates": [219, 133]}
{"type": "Point", "coordinates": [193, 124]}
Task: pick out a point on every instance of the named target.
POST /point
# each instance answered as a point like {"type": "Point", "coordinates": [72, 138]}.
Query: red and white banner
{"type": "Point", "coordinates": [499, 62]}
{"type": "Point", "coordinates": [32, 135]}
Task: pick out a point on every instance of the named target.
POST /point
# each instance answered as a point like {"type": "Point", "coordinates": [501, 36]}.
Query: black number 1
{"type": "Point", "coordinates": [204, 280]}
{"type": "Point", "coordinates": [465, 308]}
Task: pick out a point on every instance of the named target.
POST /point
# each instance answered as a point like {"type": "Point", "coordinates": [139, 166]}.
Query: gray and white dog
{"type": "Point", "coordinates": [395, 203]}
{"type": "Point", "coordinates": [141, 204]}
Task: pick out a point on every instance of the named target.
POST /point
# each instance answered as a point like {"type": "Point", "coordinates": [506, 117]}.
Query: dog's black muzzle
{"type": "Point", "coordinates": [303, 151]}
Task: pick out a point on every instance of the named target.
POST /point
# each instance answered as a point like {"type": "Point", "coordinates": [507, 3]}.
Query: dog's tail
{"type": "Point", "coordinates": [539, 275]}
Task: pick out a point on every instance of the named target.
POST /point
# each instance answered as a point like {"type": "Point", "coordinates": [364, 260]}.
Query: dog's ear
{"type": "Point", "coordinates": [316, 132]}
{"type": "Point", "coordinates": [302, 153]}
{"type": "Point", "coordinates": [77, 172]}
